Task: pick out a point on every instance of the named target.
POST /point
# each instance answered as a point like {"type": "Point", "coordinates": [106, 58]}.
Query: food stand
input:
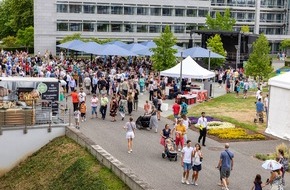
{"type": "Point", "coordinates": [27, 100]}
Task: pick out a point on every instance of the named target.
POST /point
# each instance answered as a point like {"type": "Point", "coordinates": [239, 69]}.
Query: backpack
{"type": "Point", "coordinates": [183, 108]}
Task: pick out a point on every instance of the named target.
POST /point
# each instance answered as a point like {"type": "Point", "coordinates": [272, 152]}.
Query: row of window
{"type": "Point", "coordinates": [143, 28]}
{"type": "Point", "coordinates": [131, 10]}
{"type": "Point", "coordinates": [122, 27]}
{"type": "Point", "coordinates": [250, 3]}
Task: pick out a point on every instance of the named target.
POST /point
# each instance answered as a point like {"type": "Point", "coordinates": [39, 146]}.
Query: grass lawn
{"type": "Point", "coordinates": [61, 164]}
{"type": "Point", "coordinates": [273, 74]}
{"type": "Point", "coordinates": [238, 111]}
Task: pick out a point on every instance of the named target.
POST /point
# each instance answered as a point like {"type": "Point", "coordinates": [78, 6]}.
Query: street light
{"type": "Point", "coordinates": [181, 54]}
{"type": "Point", "coordinates": [209, 52]}
{"type": "Point", "coordinates": [237, 56]}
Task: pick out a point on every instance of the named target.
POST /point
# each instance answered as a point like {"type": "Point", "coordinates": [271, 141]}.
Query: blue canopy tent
{"type": "Point", "coordinates": [87, 47]}
{"type": "Point", "coordinates": [149, 44]}
{"type": "Point", "coordinates": [134, 47]}
{"type": "Point", "coordinates": [199, 52]}
{"type": "Point", "coordinates": [70, 44]}
{"type": "Point", "coordinates": [148, 52]}
{"type": "Point", "coordinates": [117, 43]}
{"type": "Point", "coordinates": [111, 49]}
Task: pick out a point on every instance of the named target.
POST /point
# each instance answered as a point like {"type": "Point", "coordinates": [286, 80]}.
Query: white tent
{"type": "Point", "coordinates": [190, 69]}
{"type": "Point", "coordinates": [279, 106]}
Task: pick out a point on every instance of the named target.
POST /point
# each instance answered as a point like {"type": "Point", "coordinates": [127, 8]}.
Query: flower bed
{"type": "Point", "coordinates": [218, 125]}
{"type": "Point", "coordinates": [194, 120]}
{"type": "Point", "coordinates": [235, 133]}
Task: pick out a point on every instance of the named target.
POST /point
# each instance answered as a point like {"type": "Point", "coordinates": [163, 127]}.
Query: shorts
{"type": "Point", "coordinates": [220, 81]}
{"type": "Point", "coordinates": [94, 110]}
{"type": "Point", "coordinates": [187, 166]}
{"type": "Point", "coordinates": [196, 167]}
{"type": "Point", "coordinates": [225, 172]}
{"type": "Point", "coordinates": [77, 120]}
{"type": "Point", "coordinates": [130, 135]}
{"type": "Point", "coordinates": [88, 87]}
{"type": "Point", "coordinates": [175, 116]}
{"type": "Point", "coordinates": [83, 114]}
{"type": "Point", "coordinates": [179, 140]}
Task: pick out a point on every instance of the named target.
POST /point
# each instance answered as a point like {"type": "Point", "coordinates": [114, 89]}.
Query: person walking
{"type": "Point", "coordinates": [147, 107]}
{"type": "Point", "coordinates": [122, 106]}
{"type": "Point", "coordinates": [103, 108]}
{"type": "Point", "coordinates": [196, 163]}
{"type": "Point", "coordinates": [153, 119]}
{"type": "Point", "coordinates": [77, 114]}
{"type": "Point", "coordinates": [258, 184]}
{"type": "Point", "coordinates": [82, 95]}
{"type": "Point", "coordinates": [186, 122]}
{"type": "Point", "coordinates": [113, 108]}
{"type": "Point", "coordinates": [94, 105]}
{"type": "Point", "coordinates": [226, 164]}
{"type": "Point", "coordinates": [275, 180]}
{"type": "Point", "coordinates": [183, 108]}
{"type": "Point", "coordinates": [176, 111]}
{"type": "Point", "coordinates": [202, 123]}
{"type": "Point", "coordinates": [136, 99]}
{"type": "Point", "coordinates": [186, 158]}
{"type": "Point", "coordinates": [130, 100]}
{"type": "Point", "coordinates": [83, 110]}
{"type": "Point", "coordinates": [180, 130]}
{"type": "Point", "coordinates": [75, 99]}
{"type": "Point", "coordinates": [165, 133]}
{"type": "Point", "coordinates": [130, 133]}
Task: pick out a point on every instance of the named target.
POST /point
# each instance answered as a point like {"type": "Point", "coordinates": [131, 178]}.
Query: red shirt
{"type": "Point", "coordinates": [75, 97]}
{"type": "Point", "coordinates": [176, 109]}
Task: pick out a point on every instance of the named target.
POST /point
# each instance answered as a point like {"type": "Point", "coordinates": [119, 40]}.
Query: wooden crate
{"type": "Point", "coordinates": [17, 117]}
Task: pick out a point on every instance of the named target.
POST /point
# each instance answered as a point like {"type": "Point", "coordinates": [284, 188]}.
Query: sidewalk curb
{"type": "Point", "coordinates": [105, 158]}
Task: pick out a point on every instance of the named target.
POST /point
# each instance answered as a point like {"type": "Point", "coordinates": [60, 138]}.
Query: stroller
{"type": "Point", "coordinates": [170, 151]}
{"type": "Point", "coordinates": [143, 122]}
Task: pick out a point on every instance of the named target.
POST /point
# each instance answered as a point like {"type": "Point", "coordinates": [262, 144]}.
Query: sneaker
{"type": "Point", "coordinates": [85, 119]}
{"type": "Point", "coordinates": [155, 130]}
{"type": "Point", "coordinates": [179, 150]}
{"type": "Point", "coordinates": [183, 180]}
{"type": "Point", "coordinates": [82, 120]}
{"type": "Point", "coordinates": [129, 152]}
{"type": "Point", "coordinates": [195, 184]}
{"type": "Point", "coordinates": [187, 182]}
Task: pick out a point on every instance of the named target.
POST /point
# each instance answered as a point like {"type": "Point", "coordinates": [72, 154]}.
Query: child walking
{"type": "Point", "coordinates": [77, 114]}
{"type": "Point", "coordinates": [83, 110]}
{"type": "Point", "coordinates": [258, 183]}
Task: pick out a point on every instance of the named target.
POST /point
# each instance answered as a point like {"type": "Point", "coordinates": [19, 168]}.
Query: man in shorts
{"type": "Point", "coordinates": [186, 158]}
{"type": "Point", "coordinates": [226, 164]}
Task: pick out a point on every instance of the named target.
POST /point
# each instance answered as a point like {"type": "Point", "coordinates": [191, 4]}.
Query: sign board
{"type": "Point", "coordinates": [51, 93]}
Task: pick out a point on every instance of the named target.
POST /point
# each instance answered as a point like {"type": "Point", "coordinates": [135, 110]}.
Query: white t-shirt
{"type": "Point", "coordinates": [87, 81]}
{"type": "Point", "coordinates": [186, 123]}
{"type": "Point", "coordinates": [94, 101]}
{"type": "Point", "coordinates": [82, 96]}
{"type": "Point", "coordinates": [266, 101]}
{"type": "Point", "coordinates": [187, 153]}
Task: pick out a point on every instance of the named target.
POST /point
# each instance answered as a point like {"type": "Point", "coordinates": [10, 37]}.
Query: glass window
{"type": "Point", "coordinates": [241, 2]}
{"type": "Point", "coordinates": [103, 9]}
{"type": "Point", "coordinates": [251, 3]}
{"type": "Point", "coordinates": [240, 16]}
{"type": "Point", "coordinates": [220, 2]}
{"type": "Point", "coordinates": [279, 17]}
{"type": "Point", "coordinates": [191, 12]}
{"type": "Point", "coordinates": [202, 12]}
{"type": "Point", "coordinates": [231, 2]}
{"type": "Point", "coordinates": [278, 31]}
{"type": "Point", "coordinates": [142, 11]}
{"type": "Point", "coordinates": [270, 17]}
{"type": "Point", "coordinates": [88, 27]}
{"type": "Point", "coordinates": [166, 11]}
{"type": "Point", "coordinates": [75, 8]}
{"type": "Point", "coordinates": [155, 11]}
{"type": "Point", "coordinates": [179, 29]}
{"type": "Point", "coordinates": [116, 27]}
{"type": "Point", "coordinates": [103, 27]}
{"type": "Point", "coordinates": [61, 8]}
{"type": "Point", "coordinates": [251, 17]}
{"type": "Point", "coordinates": [128, 10]}
{"type": "Point", "coordinates": [75, 26]}
{"type": "Point", "coordinates": [280, 3]}
{"type": "Point", "coordinates": [129, 27]}
{"type": "Point", "coordinates": [179, 12]}
{"type": "Point", "coordinates": [90, 9]}
{"type": "Point", "coordinates": [154, 28]}
{"type": "Point", "coordinates": [62, 26]}
{"type": "Point", "coordinates": [116, 10]}
{"type": "Point", "coordinates": [142, 28]}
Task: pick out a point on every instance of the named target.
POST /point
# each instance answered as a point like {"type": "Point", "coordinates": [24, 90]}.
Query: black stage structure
{"type": "Point", "coordinates": [237, 45]}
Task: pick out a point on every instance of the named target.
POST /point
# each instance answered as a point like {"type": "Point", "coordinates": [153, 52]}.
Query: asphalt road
{"type": "Point", "coordinates": [147, 163]}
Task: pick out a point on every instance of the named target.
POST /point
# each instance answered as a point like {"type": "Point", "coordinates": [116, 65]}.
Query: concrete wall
{"type": "Point", "coordinates": [124, 173]}
{"type": "Point", "coordinates": [16, 146]}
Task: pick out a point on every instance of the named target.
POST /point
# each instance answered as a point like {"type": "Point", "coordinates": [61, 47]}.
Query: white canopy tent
{"type": "Point", "coordinates": [279, 106]}
{"type": "Point", "coordinates": [190, 69]}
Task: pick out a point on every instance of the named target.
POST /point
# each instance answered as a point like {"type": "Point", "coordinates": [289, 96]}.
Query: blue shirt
{"type": "Point", "coordinates": [226, 157]}
{"type": "Point", "coordinates": [259, 106]}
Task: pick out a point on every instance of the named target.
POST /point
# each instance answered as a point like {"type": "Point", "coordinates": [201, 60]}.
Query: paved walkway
{"type": "Point", "coordinates": [147, 163]}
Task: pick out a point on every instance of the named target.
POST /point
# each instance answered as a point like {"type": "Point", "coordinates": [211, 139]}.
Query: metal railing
{"type": "Point", "coordinates": [38, 115]}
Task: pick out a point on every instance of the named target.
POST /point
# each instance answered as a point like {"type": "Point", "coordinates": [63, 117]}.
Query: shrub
{"type": "Point", "coordinates": [234, 133]}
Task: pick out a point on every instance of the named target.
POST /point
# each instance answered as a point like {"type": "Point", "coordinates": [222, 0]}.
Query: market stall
{"type": "Point", "coordinates": [27, 100]}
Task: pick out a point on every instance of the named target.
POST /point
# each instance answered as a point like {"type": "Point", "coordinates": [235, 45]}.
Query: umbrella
{"type": "Point", "coordinates": [199, 52]}
{"type": "Point", "coordinates": [149, 44]}
{"type": "Point", "coordinates": [117, 43]}
{"type": "Point", "coordinates": [271, 165]}
{"type": "Point", "coordinates": [87, 47]}
{"type": "Point", "coordinates": [134, 47]}
{"type": "Point", "coordinates": [70, 44]}
{"type": "Point", "coordinates": [111, 49]}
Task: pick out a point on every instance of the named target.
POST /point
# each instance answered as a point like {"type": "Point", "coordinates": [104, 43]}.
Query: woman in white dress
{"type": "Point", "coordinates": [153, 119]}
{"type": "Point", "coordinates": [130, 133]}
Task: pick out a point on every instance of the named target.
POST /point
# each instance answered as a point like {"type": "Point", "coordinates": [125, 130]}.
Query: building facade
{"type": "Point", "coordinates": [135, 21]}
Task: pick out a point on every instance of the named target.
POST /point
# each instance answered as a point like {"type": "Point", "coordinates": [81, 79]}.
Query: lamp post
{"type": "Point", "coordinates": [209, 52]}
{"type": "Point", "coordinates": [180, 80]}
{"type": "Point", "coordinates": [237, 56]}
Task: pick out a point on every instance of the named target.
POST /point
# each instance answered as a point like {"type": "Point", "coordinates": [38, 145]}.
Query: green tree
{"type": "Point", "coordinates": [163, 55]}
{"type": "Point", "coordinates": [26, 37]}
{"type": "Point", "coordinates": [215, 45]}
{"type": "Point", "coordinates": [285, 44]}
{"type": "Point", "coordinates": [259, 63]}
{"type": "Point", "coordinates": [245, 29]}
{"type": "Point", "coordinates": [9, 41]}
{"type": "Point", "coordinates": [220, 22]}
{"type": "Point", "coordinates": [75, 36]}
{"type": "Point", "coordinates": [15, 15]}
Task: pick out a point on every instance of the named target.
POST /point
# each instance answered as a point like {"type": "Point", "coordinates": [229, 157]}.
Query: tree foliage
{"type": "Point", "coordinates": [15, 15]}
{"type": "Point", "coordinates": [163, 55]}
{"type": "Point", "coordinates": [215, 44]}
{"type": "Point", "coordinates": [245, 29]}
{"type": "Point", "coordinates": [220, 22]}
{"type": "Point", "coordinates": [25, 37]}
{"type": "Point", "coordinates": [285, 44]}
{"type": "Point", "coordinates": [77, 36]}
{"type": "Point", "coordinates": [259, 63]}
{"type": "Point", "coordinates": [9, 41]}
